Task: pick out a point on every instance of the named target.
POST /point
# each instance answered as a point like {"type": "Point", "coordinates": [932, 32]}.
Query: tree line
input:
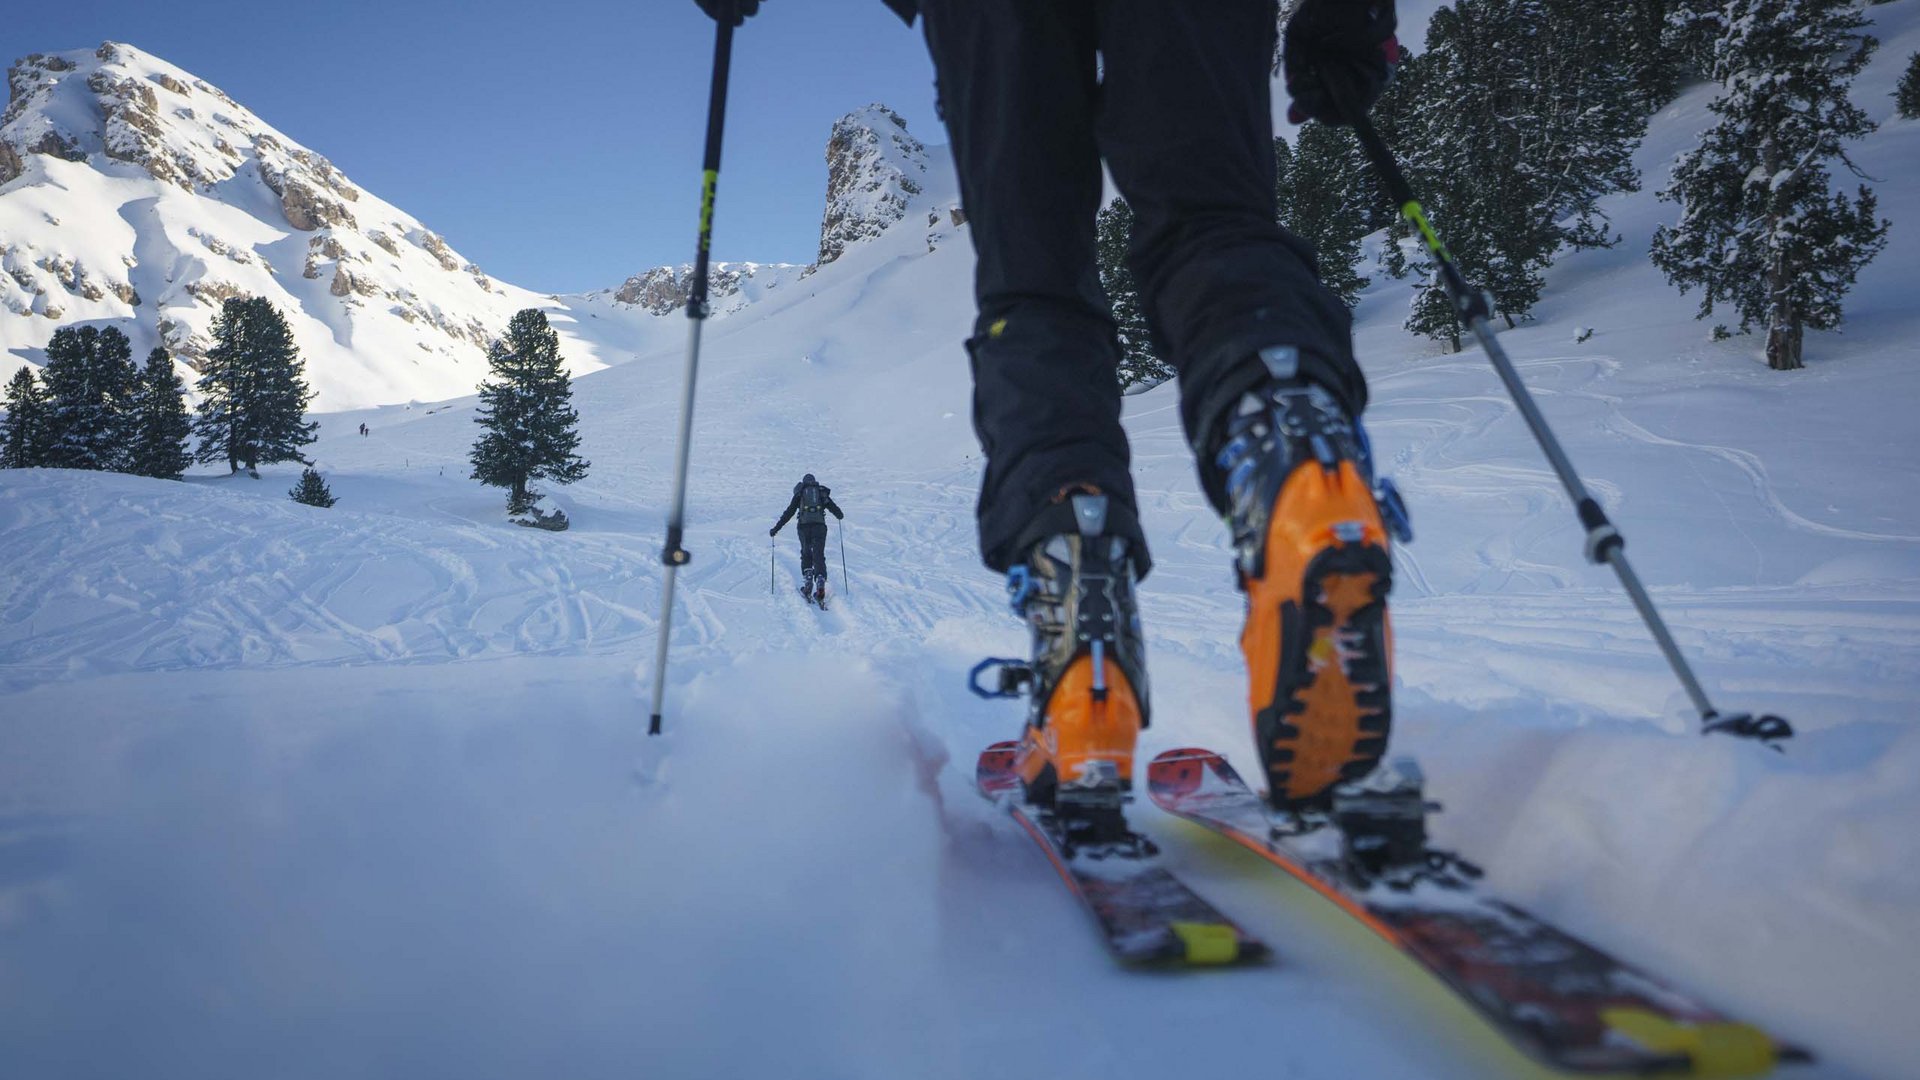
{"type": "Point", "coordinates": [1522, 116]}
{"type": "Point", "coordinates": [90, 407]}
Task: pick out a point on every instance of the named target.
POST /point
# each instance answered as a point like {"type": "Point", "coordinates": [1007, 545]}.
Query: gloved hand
{"type": "Point", "coordinates": [1349, 44]}
{"type": "Point", "coordinates": [741, 8]}
{"type": "Point", "coordinates": [775, 531]}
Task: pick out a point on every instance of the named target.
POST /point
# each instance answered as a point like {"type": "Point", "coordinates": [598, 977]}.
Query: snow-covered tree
{"type": "Point", "coordinates": [159, 427]}
{"type": "Point", "coordinates": [25, 434]}
{"type": "Point", "coordinates": [1760, 230]}
{"type": "Point", "coordinates": [1140, 365]}
{"type": "Point", "coordinates": [312, 489]}
{"type": "Point", "coordinates": [90, 382]}
{"type": "Point", "coordinates": [255, 395]}
{"type": "Point", "coordinates": [526, 412]}
{"type": "Point", "coordinates": [1906, 96]}
{"type": "Point", "coordinates": [1323, 198]}
{"type": "Point", "coordinates": [1520, 117]}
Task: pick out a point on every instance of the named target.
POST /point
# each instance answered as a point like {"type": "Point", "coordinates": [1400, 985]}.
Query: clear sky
{"type": "Point", "coordinates": [556, 145]}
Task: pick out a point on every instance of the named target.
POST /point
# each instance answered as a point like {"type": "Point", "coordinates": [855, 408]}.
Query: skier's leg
{"type": "Point", "coordinates": [813, 543]}
{"type": "Point", "coordinates": [1019, 94]}
{"type": "Point", "coordinates": [1269, 387]}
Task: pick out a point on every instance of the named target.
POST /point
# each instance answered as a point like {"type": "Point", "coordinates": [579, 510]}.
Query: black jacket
{"type": "Point", "coordinates": [906, 9]}
{"type": "Point", "coordinates": [809, 515]}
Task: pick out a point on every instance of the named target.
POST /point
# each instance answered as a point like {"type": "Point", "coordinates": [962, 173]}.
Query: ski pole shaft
{"type": "Point", "coordinates": [672, 555]}
{"type": "Point", "coordinates": [840, 528]}
{"type": "Point", "coordinates": [1604, 543]}
{"type": "Point", "coordinates": [770, 590]}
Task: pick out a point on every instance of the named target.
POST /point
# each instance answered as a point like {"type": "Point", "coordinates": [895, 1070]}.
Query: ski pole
{"type": "Point", "coordinates": [672, 555]}
{"type": "Point", "coordinates": [840, 530]}
{"type": "Point", "coordinates": [1604, 543]}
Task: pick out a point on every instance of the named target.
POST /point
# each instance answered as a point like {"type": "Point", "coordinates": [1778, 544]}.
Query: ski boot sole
{"type": "Point", "coordinates": [1317, 640]}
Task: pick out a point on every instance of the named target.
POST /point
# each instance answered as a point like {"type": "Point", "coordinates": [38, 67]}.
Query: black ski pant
{"type": "Point", "coordinates": [1174, 96]}
{"type": "Point", "coordinates": [813, 550]}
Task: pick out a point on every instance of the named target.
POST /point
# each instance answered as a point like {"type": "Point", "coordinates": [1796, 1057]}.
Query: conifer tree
{"type": "Point", "coordinates": [526, 412]}
{"type": "Point", "coordinates": [160, 428]}
{"type": "Point", "coordinates": [1906, 96]}
{"type": "Point", "coordinates": [1324, 201]}
{"type": "Point", "coordinates": [1760, 230]}
{"type": "Point", "coordinates": [1140, 364]}
{"type": "Point", "coordinates": [1655, 56]}
{"type": "Point", "coordinates": [90, 383]}
{"type": "Point", "coordinates": [1514, 146]}
{"type": "Point", "coordinates": [25, 434]}
{"type": "Point", "coordinates": [255, 396]}
{"type": "Point", "coordinates": [312, 489]}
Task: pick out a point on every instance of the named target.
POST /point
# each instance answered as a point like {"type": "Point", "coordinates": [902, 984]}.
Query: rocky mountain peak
{"type": "Point", "coordinates": [874, 169]}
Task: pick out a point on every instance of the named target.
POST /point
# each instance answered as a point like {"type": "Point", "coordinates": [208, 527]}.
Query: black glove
{"type": "Point", "coordinates": [1343, 47]}
{"type": "Point", "coordinates": [775, 531]}
{"type": "Point", "coordinates": [741, 8]}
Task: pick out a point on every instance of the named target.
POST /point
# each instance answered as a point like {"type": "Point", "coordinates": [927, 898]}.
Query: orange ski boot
{"type": "Point", "coordinates": [1088, 690]}
{"type": "Point", "coordinates": [1311, 551]}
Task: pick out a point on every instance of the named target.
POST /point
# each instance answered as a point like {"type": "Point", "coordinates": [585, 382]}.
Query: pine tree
{"type": "Point", "coordinates": [1140, 363]}
{"type": "Point", "coordinates": [90, 382]}
{"type": "Point", "coordinates": [1759, 229]}
{"type": "Point", "coordinates": [1522, 117]}
{"type": "Point", "coordinates": [526, 413]}
{"type": "Point", "coordinates": [312, 489]}
{"type": "Point", "coordinates": [25, 434]}
{"type": "Point", "coordinates": [1906, 96]}
{"type": "Point", "coordinates": [1324, 201]}
{"type": "Point", "coordinates": [160, 428]}
{"type": "Point", "coordinates": [255, 397]}
{"type": "Point", "coordinates": [1656, 58]}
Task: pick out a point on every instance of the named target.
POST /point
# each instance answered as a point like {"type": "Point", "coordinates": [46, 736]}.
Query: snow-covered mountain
{"type": "Point", "coordinates": [134, 193]}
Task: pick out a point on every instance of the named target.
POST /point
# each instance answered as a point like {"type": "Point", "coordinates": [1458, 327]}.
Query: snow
{"type": "Point", "coordinates": [366, 790]}
{"type": "Point", "coordinates": [416, 326]}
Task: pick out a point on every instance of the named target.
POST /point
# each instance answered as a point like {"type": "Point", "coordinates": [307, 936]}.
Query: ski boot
{"type": "Point", "coordinates": [1311, 554]}
{"type": "Point", "coordinates": [1086, 682]}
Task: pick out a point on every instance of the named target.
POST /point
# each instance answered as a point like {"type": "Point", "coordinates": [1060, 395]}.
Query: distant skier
{"type": "Point", "coordinates": [813, 501]}
{"type": "Point", "coordinates": [1174, 98]}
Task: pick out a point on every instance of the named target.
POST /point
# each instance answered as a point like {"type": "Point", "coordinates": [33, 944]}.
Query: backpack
{"type": "Point", "coordinates": [813, 504]}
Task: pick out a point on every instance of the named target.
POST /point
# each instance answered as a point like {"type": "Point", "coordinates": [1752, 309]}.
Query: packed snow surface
{"type": "Point", "coordinates": [367, 791]}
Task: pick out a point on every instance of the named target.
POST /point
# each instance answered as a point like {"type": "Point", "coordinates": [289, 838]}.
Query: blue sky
{"type": "Point", "coordinates": [559, 149]}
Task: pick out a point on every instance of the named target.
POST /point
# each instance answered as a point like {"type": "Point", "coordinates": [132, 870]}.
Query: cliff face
{"type": "Point", "coordinates": [874, 169]}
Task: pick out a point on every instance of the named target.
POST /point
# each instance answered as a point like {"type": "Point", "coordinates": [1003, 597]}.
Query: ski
{"type": "Point", "coordinates": [1147, 916]}
{"type": "Point", "coordinates": [1564, 1002]}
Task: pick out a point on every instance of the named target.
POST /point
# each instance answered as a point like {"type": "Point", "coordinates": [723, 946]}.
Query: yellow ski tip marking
{"type": "Point", "coordinates": [1209, 943]}
{"type": "Point", "coordinates": [1721, 1049]}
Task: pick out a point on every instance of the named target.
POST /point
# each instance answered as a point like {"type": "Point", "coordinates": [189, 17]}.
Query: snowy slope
{"type": "Point", "coordinates": [364, 791]}
{"type": "Point", "coordinates": [135, 193]}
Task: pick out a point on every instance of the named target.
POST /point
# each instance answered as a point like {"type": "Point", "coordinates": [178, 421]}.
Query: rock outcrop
{"type": "Point", "coordinates": [874, 169]}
